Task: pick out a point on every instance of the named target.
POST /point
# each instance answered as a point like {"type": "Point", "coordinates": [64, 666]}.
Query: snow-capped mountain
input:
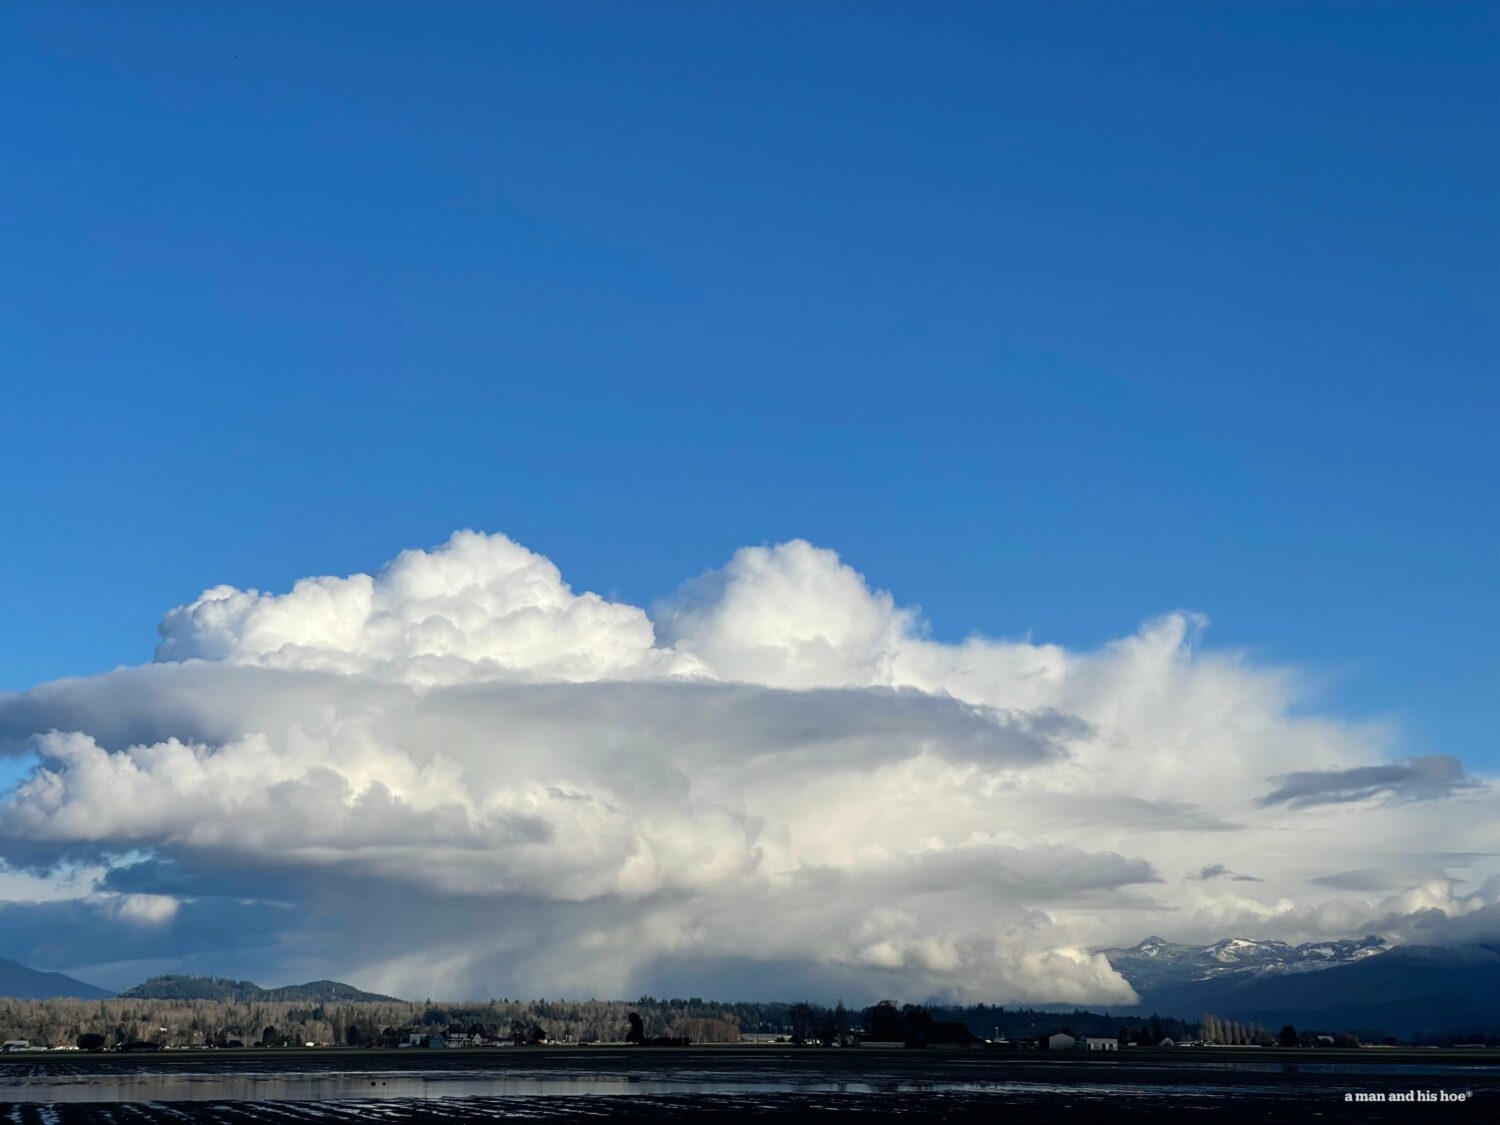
{"type": "Point", "coordinates": [1156, 964]}
{"type": "Point", "coordinates": [1364, 986]}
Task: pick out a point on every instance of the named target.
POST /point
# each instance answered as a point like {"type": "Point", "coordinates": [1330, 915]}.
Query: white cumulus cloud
{"type": "Point", "coordinates": [776, 781]}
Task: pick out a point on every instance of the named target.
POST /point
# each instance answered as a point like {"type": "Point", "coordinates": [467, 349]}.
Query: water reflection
{"type": "Point", "coordinates": [342, 1087]}
{"type": "Point", "coordinates": [320, 1084]}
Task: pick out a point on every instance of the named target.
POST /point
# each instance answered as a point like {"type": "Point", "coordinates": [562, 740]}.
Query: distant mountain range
{"type": "Point", "coordinates": [1156, 965]}
{"type": "Point", "coordinates": [242, 991]}
{"type": "Point", "coordinates": [1361, 985]}
{"type": "Point", "coordinates": [23, 983]}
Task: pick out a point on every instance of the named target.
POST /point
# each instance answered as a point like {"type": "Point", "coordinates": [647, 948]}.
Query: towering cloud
{"type": "Point", "coordinates": [480, 606]}
{"type": "Point", "coordinates": [458, 777]}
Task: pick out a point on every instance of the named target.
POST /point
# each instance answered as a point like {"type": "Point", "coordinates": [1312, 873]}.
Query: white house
{"type": "Point", "coordinates": [16, 1045]}
{"type": "Point", "coordinates": [1093, 1043]}
{"type": "Point", "coordinates": [1061, 1041]}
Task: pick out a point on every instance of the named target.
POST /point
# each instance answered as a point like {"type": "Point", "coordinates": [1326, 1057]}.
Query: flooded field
{"type": "Point", "coordinates": [743, 1084]}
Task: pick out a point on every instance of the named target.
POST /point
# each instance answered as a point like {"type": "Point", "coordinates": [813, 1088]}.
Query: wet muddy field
{"type": "Point", "coordinates": [745, 1084]}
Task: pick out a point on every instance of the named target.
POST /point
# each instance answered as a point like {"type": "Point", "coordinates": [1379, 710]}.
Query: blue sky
{"type": "Point", "coordinates": [1049, 318]}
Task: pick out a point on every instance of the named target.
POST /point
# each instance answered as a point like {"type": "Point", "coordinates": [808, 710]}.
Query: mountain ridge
{"type": "Point", "coordinates": [1362, 984]}
{"type": "Point", "coordinates": [1156, 962]}
{"type": "Point", "coordinates": [22, 982]}
{"type": "Point", "coordinates": [187, 987]}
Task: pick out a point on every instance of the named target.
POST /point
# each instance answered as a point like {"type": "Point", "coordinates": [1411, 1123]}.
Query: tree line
{"type": "Point", "coordinates": [223, 1023]}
